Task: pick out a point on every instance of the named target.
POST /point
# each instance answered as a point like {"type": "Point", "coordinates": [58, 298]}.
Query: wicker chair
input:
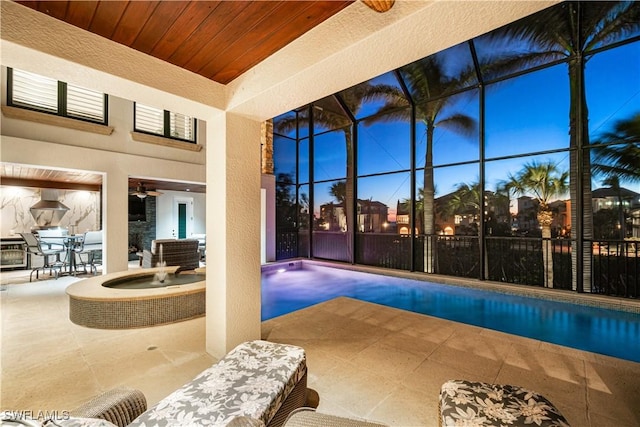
{"type": "Point", "coordinates": [181, 252]}
{"type": "Point", "coordinates": [308, 417]}
{"type": "Point", "coordinates": [119, 406]}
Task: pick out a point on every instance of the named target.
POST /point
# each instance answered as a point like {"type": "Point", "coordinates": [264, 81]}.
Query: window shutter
{"type": "Point", "coordinates": [149, 119]}
{"type": "Point", "coordinates": [182, 126]}
{"type": "Point", "coordinates": [85, 103]}
{"type": "Point", "coordinates": [34, 91]}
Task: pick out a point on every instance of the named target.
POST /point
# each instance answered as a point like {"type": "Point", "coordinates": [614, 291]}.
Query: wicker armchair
{"type": "Point", "coordinates": [119, 406]}
{"type": "Point", "coordinates": [308, 417]}
{"type": "Point", "coordinates": [181, 252]}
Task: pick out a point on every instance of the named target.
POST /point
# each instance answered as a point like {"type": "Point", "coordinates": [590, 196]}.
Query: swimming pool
{"type": "Point", "coordinates": [610, 332]}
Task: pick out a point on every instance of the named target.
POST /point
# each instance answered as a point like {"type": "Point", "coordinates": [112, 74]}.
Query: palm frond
{"type": "Point", "coordinates": [607, 22]}
{"type": "Point", "coordinates": [621, 155]}
{"type": "Point", "coordinates": [460, 123]}
{"type": "Point", "coordinates": [388, 113]}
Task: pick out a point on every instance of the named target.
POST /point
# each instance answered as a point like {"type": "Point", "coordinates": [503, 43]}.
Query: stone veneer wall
{"type": "Point", "coordinates": [142, 233]}
{"type": "Point", "coordinates": [266, 142]}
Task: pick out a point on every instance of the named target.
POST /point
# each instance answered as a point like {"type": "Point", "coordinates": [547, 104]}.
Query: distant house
{"type": "Point", "coordinates": [612, 198]}
{"type": "Point", "coordinates": [403, 218]}
{"type": "Point", "coordinates": [526, 220]}
{"type": "Point", "coordinates": [561, 225]}
{"type": "Point", "coordinates": [464, 221]}
{"type": "Point", "coordinates": [332, 217]}
{"type": "Point", "coordinates": [372, 217]}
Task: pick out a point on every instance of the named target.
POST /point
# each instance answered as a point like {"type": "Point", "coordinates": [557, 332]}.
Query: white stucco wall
{"type": "Point", "coordinates": [167, 220]}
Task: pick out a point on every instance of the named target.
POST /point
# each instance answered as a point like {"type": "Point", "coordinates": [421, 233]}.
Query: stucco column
{"type": "Point", "coordinates": [233, 232]}
{"type": "Point", "coordinates": [115, 193]}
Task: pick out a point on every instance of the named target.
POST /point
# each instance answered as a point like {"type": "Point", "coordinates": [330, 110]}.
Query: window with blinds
{"type": "Point", "coordinates": [164, 123]}
{"type": "Point", "coordinates": [181, 126]}
{"type": "Point", "coordinates": [149, 119]}
{"type": "Point", "coordinates": [85, 104]}
{"type": "Point", "coordinates": [35, 92]}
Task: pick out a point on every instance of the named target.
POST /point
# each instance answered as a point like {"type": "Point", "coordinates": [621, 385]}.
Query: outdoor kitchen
{"type": "Point", "coordinates": [27, 209]}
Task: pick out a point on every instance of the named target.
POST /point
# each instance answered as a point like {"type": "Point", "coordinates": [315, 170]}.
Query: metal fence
{"type": "Point", "coordinates": [615, 268]}
{"type": "Point", "coordinates": [384, 250]}
{"type": "Point", "coordinates": [521, 260]}
{"type": "Point", "coordinates": [333, 245]}
{"type": "Point", "coordinates": [286, 245]}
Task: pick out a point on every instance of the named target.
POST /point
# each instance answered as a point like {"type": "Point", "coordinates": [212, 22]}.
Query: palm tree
{"type": "Point", "coordinates": [571, 30]}
{"type": "Point", "coordinates": [352, 100]}
{"type": "Point", "coordinates": [619, 163]}
{"type": "Point", "coordinates": [544, 182]}
{"type": "Point", "coordinates": [338, 191]}
{"type": "Point", "coordinates": [303, 211]}
{"type": "Point", "coordinates": [285, 201]}
{"type": "Point", "coordinates": [465, 198]}
{"type": "Point", "coordinates": [405, 205]}
{"type": "Point", "coordinates": [428, 78]}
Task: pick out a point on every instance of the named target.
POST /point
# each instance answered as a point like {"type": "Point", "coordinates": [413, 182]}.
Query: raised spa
{"type": "Point", "coordinates": [152, 281]}
{"type": "Point", "coordinates": [137, 299]}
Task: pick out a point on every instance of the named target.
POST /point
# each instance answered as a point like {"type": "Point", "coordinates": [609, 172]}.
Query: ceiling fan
{"type": "Point", "coordinates": [142, 192]}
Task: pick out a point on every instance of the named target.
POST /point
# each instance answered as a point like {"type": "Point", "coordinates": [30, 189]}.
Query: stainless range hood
{"type": "Point", "coordinates": [51, 205]}
{"type": "Point", "coordinates": [49, 210]}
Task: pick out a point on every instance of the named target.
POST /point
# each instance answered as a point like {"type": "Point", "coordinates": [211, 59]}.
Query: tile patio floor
{"type": "Point", "coordinates": [364, 360]}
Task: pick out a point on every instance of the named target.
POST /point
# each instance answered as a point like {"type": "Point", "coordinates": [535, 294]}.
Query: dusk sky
{"type": "Point", "coordinates": [526, 114]}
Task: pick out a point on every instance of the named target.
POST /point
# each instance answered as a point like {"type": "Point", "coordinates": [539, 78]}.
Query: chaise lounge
{"type": "Point", "coordinates": [257, 384]}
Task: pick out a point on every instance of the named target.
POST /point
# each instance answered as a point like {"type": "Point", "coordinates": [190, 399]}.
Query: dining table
{"type": "Point", "coordinates": [71, 242]}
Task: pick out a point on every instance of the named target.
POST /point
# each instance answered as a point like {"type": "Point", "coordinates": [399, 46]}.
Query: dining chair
{"type": "Point", "coordinates": [90, 245]}
{"type": "Point", "coordinates": [53, 237]}
{"type": "Point", "coordinates": [35, 247]}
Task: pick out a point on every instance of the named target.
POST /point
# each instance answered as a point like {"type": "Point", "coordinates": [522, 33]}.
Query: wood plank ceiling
{"type": "Point", "coordinates": [219, 40]}
{"type": "Point", "coordinates": [28, 176]}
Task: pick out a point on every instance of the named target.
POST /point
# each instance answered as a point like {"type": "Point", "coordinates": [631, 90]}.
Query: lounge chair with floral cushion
{"type": "Point", "coordinates": [485, 404]}
{"type": "Point", "coordinates": [257, 384]}
{"type": "Point", "coordinates": [260, 380]}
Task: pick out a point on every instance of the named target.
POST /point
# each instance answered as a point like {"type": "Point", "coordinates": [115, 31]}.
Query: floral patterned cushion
{"type": "Point", "coordinates": [464, 403]}
{"type": "Point", "coordinates": [252, 380]}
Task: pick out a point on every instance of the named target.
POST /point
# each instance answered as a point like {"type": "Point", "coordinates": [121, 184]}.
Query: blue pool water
{"type": "Point", "coordinates": [609, 332]}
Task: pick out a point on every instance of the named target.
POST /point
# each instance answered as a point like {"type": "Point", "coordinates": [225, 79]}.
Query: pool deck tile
{"type": "Point", "coordinates": [364, 360]}
{"type": "Point", "coordinates": [448, 350]}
